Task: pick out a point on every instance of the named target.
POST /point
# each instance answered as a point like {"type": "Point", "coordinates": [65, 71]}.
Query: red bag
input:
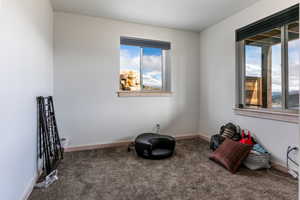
{"type": "Point", "coordinates": [246, 139]}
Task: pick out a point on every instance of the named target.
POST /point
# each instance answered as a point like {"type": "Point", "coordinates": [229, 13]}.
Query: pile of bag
{"type": "Point", "coordinates": [258, 158]}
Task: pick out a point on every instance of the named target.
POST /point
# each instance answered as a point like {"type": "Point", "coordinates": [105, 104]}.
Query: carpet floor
{"type": "Point", "coordinates": [115, 174]}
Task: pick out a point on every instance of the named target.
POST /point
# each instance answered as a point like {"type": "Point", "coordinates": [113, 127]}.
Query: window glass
{"type": "Point", "coordinates": [276, 77]}
{"type": "Point", "coordinates": [253, 75]}
{"type": "Point", "coordinates": [130, 67]}
{"type": "Point", "coordinates": [263, 69]}
{"type": "Point", "coordinates": [268, 61]}
{"type": "Point", "coordinates": [152, 69]}
{"type": "Point", "coordinates": [253, 61]}
{"type": "Point", "coordinates": [293, 65]}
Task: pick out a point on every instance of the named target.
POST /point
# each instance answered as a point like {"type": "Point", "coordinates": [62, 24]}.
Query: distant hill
{"type": "Point", "coordinates": [293, 101]}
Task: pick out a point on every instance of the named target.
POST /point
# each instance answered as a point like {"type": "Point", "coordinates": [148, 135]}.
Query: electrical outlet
{"type": "Point", "coordinates": [64, 142]}
{"type": "Point", "coordinates": [158, 128]}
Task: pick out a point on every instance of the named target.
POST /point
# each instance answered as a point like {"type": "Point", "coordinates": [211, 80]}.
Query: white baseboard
{"type": "Point", "coordinates": [122, 143]}
{"type": "Point", "coordinates": [279, 167]}
{"type": "Point", "coordinates": [33, 181]}
{"type": "Point", "coordinates": [205, 137]}
{"type": "Point", "coordinates": [29, 187]}
{"type": "Point", "coordinates": [275, 165]}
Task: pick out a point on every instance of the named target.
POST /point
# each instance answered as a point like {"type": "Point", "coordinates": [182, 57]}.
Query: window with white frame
{"type": "Point", "coordinates": [144, 65]}
{"type": "Point", "coordinates": [268, 63]}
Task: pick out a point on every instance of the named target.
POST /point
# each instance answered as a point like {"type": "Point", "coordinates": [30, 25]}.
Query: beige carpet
{"type": "Point", "coordinates": [115, 174]}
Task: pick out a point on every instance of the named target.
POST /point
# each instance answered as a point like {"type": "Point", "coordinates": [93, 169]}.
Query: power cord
{"type": "Point", "coordinates": [293, 172]}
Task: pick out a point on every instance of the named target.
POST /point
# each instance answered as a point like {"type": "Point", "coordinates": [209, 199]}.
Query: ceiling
{"type": "Point", "coordinates": [192, 15]}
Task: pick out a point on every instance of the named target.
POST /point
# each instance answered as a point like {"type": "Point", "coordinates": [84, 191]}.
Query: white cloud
{"type": "Point", "coordinates": [150, 79]}
{"type": "Point", "coordinates": [253, 66]}
{"type": "Point", "coordinates": [152, 66]}
{"type": "Point", "coordinates": [253, 70]}
{"type": "Point", "coordinates": [152, 71]}
{"type": "Point", "coordinates": [276, 78]}
{"type": "Point", "coordinates": [294, 65]}
{"type": "Point", "coordinates": [294, 72]}
{"type": "Point", "coordinates": [152, 63]}
{"type": "Point", "coordinates": [127, 62]}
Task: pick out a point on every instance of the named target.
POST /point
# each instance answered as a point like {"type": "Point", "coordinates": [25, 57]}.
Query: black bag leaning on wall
{"type": "Point", "coordinates": [231, 131]}
{"type": "Point", "coordinates": [228, 130]}
{"type": "Point", "coordinates": [216, 141]}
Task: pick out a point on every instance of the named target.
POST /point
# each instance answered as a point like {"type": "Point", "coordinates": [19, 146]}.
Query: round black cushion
{"type": "Point", "coordinates": [154, 146]}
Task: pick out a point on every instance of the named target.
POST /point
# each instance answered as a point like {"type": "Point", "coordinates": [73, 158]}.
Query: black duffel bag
{"type": "Point", "coordinates": [216, 141]}
{"type": "Point", "coordinates": [229, 130]}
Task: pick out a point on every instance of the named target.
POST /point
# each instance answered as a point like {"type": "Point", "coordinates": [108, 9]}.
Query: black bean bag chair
{"type": "Point", "coordinates": [154, 146]}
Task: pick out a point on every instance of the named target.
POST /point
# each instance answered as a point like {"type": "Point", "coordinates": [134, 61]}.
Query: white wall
{"type": "Point", "coordinates": [86, 79]}
{"type": "Point", "coordinates": [26, 71]}
{"type": "Point", "coordinates": [217, 81]}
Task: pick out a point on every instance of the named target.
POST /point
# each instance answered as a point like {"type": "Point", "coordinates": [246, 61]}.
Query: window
{"type": "Point", "coordinates": [293, 65]}
{"type": "Point", "coordinates": [268, 63]}
{"type": "Point", "coordinates": [143, 65]}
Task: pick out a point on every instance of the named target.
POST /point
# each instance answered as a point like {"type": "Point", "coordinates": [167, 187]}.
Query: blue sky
{"type": "Point", "coordinates": [152, 51]}
{"type": "Point", "coordinates": [129, 58]}
{"type": "Point", "coordinates": [152, 64]}
{"type": "Point", "coordinates": [253, 61]}
{"type": "Point", "coordinates": [294, 65]}
{"type": "Point", "coordinates": [253, 64]}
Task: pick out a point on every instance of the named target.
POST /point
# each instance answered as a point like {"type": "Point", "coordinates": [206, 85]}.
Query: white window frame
{"type": "Point", "coordinates": [165, 89]}
{"type": "Point", "coordinates": [283, 114]}
{"type": "Point", "coordinates": [163, 64]}
{"type": "Point", "coordinates": [241, 66]}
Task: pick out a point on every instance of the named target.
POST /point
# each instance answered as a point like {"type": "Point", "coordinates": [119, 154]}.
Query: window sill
{"type": "Point", "coordinates": [290, 117]}
{"type": "Point", "coordinates": [143, 94]}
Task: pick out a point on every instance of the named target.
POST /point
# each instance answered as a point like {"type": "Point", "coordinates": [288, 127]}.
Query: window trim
{"type": "Point", "coordinates": [284, 68]}
{"type": "Point", "coordinates": [289, 117]}
{"type": "Point", "coordinates": [162, 89]}
{"type": "Point", "coordinates": [165, 68]}
{"type": "Point", "coordinates": [144, 94]}
{"type": "Point", "coordinates": [163, 64]}
{"type": "Point", "coordinates": [278, 19]}
{"type": "Point", "coordinates": [132, 41]}
{"type": "Point", "coordinates": [290, 114]}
